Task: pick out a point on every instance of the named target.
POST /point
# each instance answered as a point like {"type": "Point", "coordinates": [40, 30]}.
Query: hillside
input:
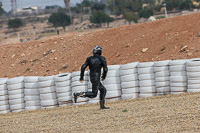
{"type": "Point", "coordinates": [171, 114]}
{"type": "Point", "coordinates": [52, 55]}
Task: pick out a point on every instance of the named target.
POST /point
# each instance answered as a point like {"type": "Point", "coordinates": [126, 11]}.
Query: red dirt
{"type": "Point", "coordinates": [163, 38]}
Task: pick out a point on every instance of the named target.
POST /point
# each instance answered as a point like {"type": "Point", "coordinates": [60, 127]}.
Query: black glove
{"type": "Point", "coordinates": [102, 78]}
{"type": "Point", "coordinates": [81, 79]}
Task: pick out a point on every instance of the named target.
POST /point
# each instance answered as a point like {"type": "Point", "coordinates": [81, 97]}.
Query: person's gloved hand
{"type": "Point", "coordinates": [81, 79]}
{"type": "Point", "coordinates": [102, 78]}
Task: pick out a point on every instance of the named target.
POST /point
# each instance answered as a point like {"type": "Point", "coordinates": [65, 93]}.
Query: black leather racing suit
{"type": "Point", "coordinates": [95, 63]}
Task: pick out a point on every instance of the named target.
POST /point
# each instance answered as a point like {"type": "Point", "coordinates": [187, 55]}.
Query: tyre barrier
{"type": "Point", "coordinates": [63, 89]}
{"type": "Point", "coordinates": [161, 70]}
{"type": "Point", "coordinates": [31, 93]}
{"type": "Point", "coordinates": [77, 86]}
{"type": "Point", "coordinates": [4, 104]}
{"type": "Point", "coordinates": [178, 82]}
{"type": "Point", "coordinates": [122, 82]}
{"type": "Point", "coordinates": [193, 75]}
{"type": "Point", "coordinates": [129, 81]}
{"type": "Point", "coordinates": [16, 94]}
{"type": "Point", "coordinates": [47, 89]}
{"type": "Point", "coordinates": [146, 85]}
{"type": "Point", "coordinates": [112, 83]}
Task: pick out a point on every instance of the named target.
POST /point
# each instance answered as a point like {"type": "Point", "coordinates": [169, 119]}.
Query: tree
{"type": "Point", "coordinates": [62, 10]}
{"type": "Point", "coordinates": [15, 23]}
{"type": "Point", "coordinates": [172, 4]}
{"type": "Point", "coordinates": [98, 6]}
{"type": "Point", "coordinates": [131, 16]}
{"type": "Point", "coordinates": [135, 5]}
{"type": "Point", "coordinates": [179, 4]}
{"type": "Point", "coordinates": [146, 12]}
{"type": "Point", "coordinates": [157, 7]}
{"type": "Point", "coordinates": [77, 8]}
{"type": "Point", "coordinates": [86, 6]}
{"type": "Point", "coordinates": [109, 19]}
{"type": "Point", "coordinates": [1, 9]}
{"type": "Point", "coordinates": [80, 6]}
{"type": "Point", "coordinates": [121, 6]}
{"type": "Point", "coordinates": [185, 4]}
{"type": "Point", "coordinates": [149, 2]}
{"type": "Point", "coordinates": [87, 3]}
{"type": "Point", "coordinates": [60, 19]}
{"type": "Point", "coordinates": [99, 17]}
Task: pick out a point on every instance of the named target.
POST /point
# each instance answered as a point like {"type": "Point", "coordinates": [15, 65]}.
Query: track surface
{"type": "Point", "coordinates": [172, 113]}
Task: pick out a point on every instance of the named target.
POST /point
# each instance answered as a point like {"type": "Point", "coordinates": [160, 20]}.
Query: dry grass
{"type": "Point", "coordinates": [172, 113]}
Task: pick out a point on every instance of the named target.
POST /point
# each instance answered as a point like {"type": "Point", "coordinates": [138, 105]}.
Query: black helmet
{"type": "Point", "coordinates": [97, 50]}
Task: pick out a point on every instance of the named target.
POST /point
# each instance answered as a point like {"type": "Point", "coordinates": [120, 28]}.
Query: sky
{"type": "Point", "coordinates": [39, 3]}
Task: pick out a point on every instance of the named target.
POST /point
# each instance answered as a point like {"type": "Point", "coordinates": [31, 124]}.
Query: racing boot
{"type": "Point", "coordinates": [102, 105]}
{"type": "Point", "coordinates": [77, 95]}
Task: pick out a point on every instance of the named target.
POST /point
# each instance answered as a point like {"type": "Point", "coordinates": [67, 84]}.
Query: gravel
{"type": "Point", "coordinates": [171, 113]}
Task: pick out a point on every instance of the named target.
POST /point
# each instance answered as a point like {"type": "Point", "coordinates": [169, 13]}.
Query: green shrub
{"type": "Point", "coordinates": [131, 16]}
{"type": "Point", "coordinates": [99, 17]}
{"type": "Point", "coordinates": [15, 23]}
{"type": "Point", "coordinates": [59, 19]}
{"type": "Point", "coordinates": [146, 12]}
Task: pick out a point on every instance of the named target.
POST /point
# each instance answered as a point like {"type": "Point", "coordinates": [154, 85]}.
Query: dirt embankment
{"type": "Point", "coordinates": [162, 39]}
{"type": "Point", "coordinates": [171, 114]}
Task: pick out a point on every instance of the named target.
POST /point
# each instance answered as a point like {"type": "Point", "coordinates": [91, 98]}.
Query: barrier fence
{"type": "Point", "coordinates": [126, 81]}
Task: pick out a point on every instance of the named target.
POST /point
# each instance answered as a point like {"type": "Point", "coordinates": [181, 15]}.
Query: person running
{"type": "Point", "coordinates": [95, 63]}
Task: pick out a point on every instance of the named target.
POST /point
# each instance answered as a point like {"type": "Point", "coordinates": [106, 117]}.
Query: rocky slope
{"type": "Point", "coordinates": [171, 38]}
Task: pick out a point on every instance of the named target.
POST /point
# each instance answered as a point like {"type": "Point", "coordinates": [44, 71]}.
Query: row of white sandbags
{"type": "Point", "coordinates": [193, 75]}
{"type": "Point", "coordinates": [162, 72]}
{"type": "Point", "coordinates": [63, 89]}
{"type": "Point", "coordinates": [113, 84]}
{"type": "Point", "coordinates": [30, 93]}
{"type": "Point", "coordinates": [15, 88]}
{"type": "Point", "coordinates": [178, 76]}
{"type": "Point", "coordinates": [127, 81]}
{"type": "Point", "coordinates": [162, 77]}
{"type": "Point", "coordinates": [4, 104]}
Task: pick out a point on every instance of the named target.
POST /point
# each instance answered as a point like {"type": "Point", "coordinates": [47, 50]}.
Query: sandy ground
{"type": "Point", "coordinates": [171, 114]}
